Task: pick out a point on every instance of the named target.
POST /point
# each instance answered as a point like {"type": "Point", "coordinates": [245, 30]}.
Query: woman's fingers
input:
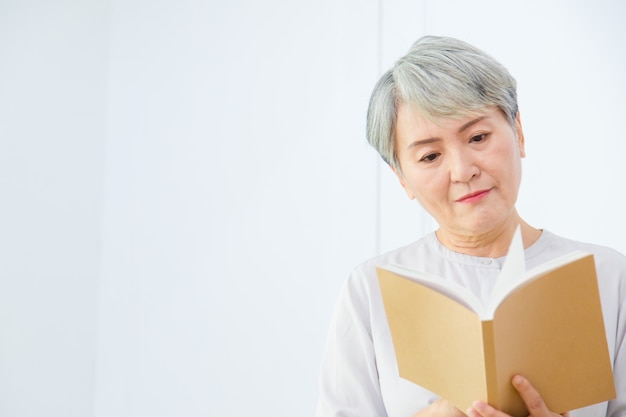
{"type": "Point", "coordinates": [482, 409]}
{"type": "Point", "coordinates": [440, 408]}
{"type": "Point", "coordinates": [534, 403]}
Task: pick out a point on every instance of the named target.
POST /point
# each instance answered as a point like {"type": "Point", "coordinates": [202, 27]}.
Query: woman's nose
{"type": "Point", "coordinates": [463, 167]}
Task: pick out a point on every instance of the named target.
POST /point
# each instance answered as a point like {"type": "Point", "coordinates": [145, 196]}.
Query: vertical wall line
{"type": "Point", "coordinates": [426, 20]}
{"type": "Point", "coordinates": [427, 223]}
{"type": "Point", "coordinates": [379, 63]}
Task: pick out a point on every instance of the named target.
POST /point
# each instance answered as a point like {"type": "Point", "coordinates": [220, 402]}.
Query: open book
{"type": "Point", "coordinates": [545, 324]}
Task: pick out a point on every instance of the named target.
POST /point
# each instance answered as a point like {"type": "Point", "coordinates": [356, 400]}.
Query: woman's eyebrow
{"type": "Point", "coordinates": [422, 142]}
{"type": "Point", "coordinates": [471, 123]}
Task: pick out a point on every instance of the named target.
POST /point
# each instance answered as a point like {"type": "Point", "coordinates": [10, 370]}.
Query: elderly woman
{"type": "Point", "coordinates": [445, 119]}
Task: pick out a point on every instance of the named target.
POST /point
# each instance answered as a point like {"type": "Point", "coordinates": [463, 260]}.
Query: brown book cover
{"type": "Point", "coordinates": [547, 326]}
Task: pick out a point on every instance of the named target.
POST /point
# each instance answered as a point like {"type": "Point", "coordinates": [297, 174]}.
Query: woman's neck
{"type": "Point", "coordinates": [491, 244]}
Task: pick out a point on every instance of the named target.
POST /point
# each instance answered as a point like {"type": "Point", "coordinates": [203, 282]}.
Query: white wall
{"type": "Point", "coordinates": [53, 63]}
{"type": "Point", "coordinates": [239, 194]}
{"type": "Point", "coordinates": [185, 185]}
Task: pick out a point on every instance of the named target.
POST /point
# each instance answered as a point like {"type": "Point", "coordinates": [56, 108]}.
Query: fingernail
{"type": "Point", "coordinates": [517, 380]}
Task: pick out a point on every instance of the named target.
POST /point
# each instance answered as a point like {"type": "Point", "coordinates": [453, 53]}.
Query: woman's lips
{"type": "Point", "coordinates": [473, 197]}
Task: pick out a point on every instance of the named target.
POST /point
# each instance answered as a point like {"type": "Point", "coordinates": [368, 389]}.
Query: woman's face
{"type": "Point", "coordinates": [465, 172]}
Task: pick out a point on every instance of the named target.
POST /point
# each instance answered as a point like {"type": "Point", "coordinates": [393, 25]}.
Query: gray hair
{"type": "Point", "coordinates": [438, 77]}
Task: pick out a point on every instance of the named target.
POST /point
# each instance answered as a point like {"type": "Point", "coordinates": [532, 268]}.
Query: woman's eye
{"type": "Point", "coordinates": [430, 157]}
{"type": "Point", "coordinates": [478, 138]}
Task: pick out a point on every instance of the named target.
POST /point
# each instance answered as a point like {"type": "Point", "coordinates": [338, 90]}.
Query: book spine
{"type": "Point", "coordinates": [491, 374]}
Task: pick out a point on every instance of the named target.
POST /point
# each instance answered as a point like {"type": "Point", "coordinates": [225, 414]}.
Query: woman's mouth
{"type": "Point", "coordinates": [473, 197]}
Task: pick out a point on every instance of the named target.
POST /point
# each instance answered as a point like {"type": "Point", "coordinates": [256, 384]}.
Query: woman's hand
{"type": "Point", "coordinates": [440, 408]}
{"type": "Point", "coordinates": [532, 399]}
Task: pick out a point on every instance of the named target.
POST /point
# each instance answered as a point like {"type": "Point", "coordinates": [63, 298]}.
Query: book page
{"type": "Point", "coordinates": [512, 273]}
{"type": "Point", "coordinates": [448, 288]}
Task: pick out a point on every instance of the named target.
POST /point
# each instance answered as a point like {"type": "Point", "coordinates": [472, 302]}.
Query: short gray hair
{"type": "Point", "coordinates": [438, 77]}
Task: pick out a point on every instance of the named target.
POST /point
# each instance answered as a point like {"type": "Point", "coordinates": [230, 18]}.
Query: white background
{"type": "Point", "coordinates": [185, 184]}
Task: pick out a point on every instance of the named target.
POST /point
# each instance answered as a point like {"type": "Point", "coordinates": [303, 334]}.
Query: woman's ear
{"type": "Point", "coordinates": [520, 135]}
{"type": "Point", "coordinates": [407, 189]}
